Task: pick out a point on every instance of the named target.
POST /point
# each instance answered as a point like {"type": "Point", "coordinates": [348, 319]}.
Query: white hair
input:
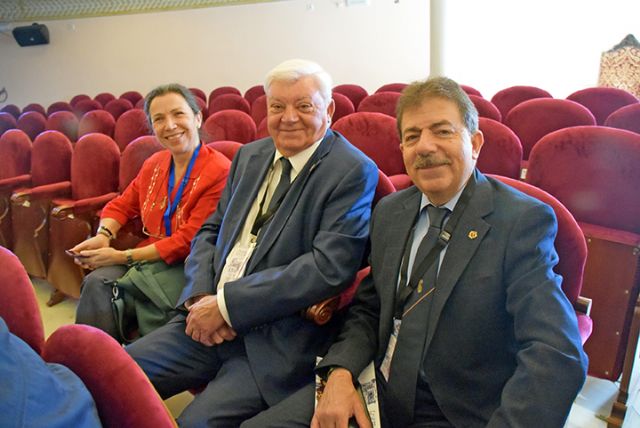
{"type": "Point", "coordinates": [294, 69]}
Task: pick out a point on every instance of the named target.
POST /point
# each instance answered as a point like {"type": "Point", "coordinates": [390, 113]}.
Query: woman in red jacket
{"type": "Point", "coordinates": [190, 173]}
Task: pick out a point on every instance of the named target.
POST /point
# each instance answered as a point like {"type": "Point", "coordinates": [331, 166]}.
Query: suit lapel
{"type": "Point", "coordinates": [243, 198]}
{"type": "Point", "coordinates": [468, 235]}
{"type": "Point", "coordinates": [274, 227]}
{"type": "Point", "coordinates": [396, 231]}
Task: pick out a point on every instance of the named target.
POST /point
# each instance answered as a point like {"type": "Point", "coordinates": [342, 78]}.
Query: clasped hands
{"type": "Point", "coordinates": [205, 323]}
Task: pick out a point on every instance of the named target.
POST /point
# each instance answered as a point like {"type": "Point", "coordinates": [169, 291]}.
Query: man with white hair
{"type": "Point", "coordinates": [290, 230]}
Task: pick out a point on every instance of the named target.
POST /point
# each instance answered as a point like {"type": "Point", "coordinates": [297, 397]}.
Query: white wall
{"type": "Point", "coordinates": [553, 44]}
{"type": "Point", "coordinates": [488, 44]}
{"type": "Point", "coordinates": [232, 45]}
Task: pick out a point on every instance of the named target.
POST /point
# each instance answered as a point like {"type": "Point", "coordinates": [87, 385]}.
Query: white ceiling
{"type": "Point", "coordinates": [34, 10]}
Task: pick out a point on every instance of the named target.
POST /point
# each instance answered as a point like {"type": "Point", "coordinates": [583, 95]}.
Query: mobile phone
{"type": "Point", "coordinates": [74, 254]}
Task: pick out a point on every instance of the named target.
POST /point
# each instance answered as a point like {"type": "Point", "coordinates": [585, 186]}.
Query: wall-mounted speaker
{"type": "Point", "coordinates": [30, 35]}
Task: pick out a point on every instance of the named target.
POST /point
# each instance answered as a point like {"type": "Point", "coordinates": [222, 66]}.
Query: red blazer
{"type": "Point", "coordinates": [146, 197]}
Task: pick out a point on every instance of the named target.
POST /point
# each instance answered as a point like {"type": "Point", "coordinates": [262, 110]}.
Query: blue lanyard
{"type": "Point", "coordinates": [171, 207]}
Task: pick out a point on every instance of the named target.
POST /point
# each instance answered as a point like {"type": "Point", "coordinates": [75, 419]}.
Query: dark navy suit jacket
{"type": "Point", "coordinates": [502, 348]}
{"type": "Point", "coordinates": [309, 251]}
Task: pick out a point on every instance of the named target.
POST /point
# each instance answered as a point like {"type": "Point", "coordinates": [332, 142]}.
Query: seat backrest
{"type": "Point", "coordinates": [123, 394]}
{"type": "Point", "coordinates": [380, 102]}
{"type": "Point", "coordinates": [253, 92]}
{"type": "Point", "coordinates": [50, 158]}
{"type": "Point", "coordinates": [132, 96]}
{"type": "Point", "coordinates": [133, 156]}
{"type": "Point", "coordinates": [94, 166]}
{"type": "Point", "coordinates": [227, 148]}
{"type": "Point", "coordinates": [104, 97]}
{"type": "Point", "coordinates": [84, 106]}
{"type": "Point", "coordinates": [570, 243]}
{"type": "Point", "coordinates": [391, 87]}
{"type": "Point", "coordinates": [501, 152]}
{"type": "Point", "coordinates": [602, 101]}
{"type": "Point", "coordinates": [355, 93]}
{"type": "Point", "coordinates": [19, 306]}
{"type": "Point", "coordinates": [593, 171]}
{"type": "Point", "coordinates": [35, 107]}
{"type": "Point", "coordinates": [15, 153]}
{"type": "Point", "coordinates": [96, 121]}
{"type": "Point", "coordinates": [12, 109]}
{"type": "Point", "coordinates": [383, 188]}
{"type": "Point", "coordinates": [32, 123]}
{"type": "Point", "coordinates": [202, 105]}
{"type": "Point", "coordinates": [259, 109]}
{"type": "Point", "coordinates": [471, 90]}
{"type": "Point", "coordinates": [7, 121]}
{"type": "Point", "coordinates": [627, 117]}
{"type": "Point", "coordinates": [233, 125]}
{"type": "Point", "coordinates": [508, 98]}
{"type": "Point", "coordinates": [533, 119]}
{"type": "Point", "coordinates": [65, 122]}
{"type": "Point", "coordinates": [376, 135]}
{"type": "Point", "coordinates": [223, 90]}
{"type": "Point", "coordinates": [77, 98]}
{"type": "Point", "coordinates": [58, 106]}
{"type": "Point", "coordinates": [229, 102]}
{"type": "Point", "coordinates": [199, 93]}
{"type": "Point", "coordinates": [117, 107]}
{"type": "Point", "coordinates": [130, 125]}
{"type": "Point", "coordinates": [262, 130]}
{"type": "Point", "coordinates": [343, 106]}
{"type": "Point", "coordinates": [485, 108]}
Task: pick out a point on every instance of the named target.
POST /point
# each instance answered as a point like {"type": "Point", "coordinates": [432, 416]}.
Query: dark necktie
{"type": "Point", "coordinates": [405, 364]}
{"type": "Point", "coordinates": [283, 185]}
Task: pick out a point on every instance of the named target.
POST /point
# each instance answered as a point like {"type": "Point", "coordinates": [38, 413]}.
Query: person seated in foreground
{"type": "Point", "coordinates": [290, 231]}
{"type": "Point", "coordinates": [34, 393]}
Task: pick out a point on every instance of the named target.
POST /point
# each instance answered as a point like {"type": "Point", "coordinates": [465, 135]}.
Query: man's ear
{"type": "Point", "coordinates": [477, 140]}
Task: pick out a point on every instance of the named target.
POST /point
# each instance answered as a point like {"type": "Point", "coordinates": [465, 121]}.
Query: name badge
{"type": "Point", "coordinates": [236, 263]}
{"type": "Point", "coordinates": [385, 367]}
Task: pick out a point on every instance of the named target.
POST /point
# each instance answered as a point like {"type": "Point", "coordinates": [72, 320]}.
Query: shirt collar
{"type": "Point", "coordinates": [299, 160]}
{"type": "Point", "coordinates": [451, 204]}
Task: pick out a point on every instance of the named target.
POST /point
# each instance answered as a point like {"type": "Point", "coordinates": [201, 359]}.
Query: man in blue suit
{"type": "Point", "coordinates": [473, 330]}
{"type": "Point", "coordinates": [290, 230]}
{"type": "Point", "coordinates": [34, 393]}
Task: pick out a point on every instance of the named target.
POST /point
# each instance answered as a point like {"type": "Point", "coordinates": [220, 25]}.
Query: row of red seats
{"type": "Point", "coordinates": [122, 393]}
{"type": "Point", "coordinates": [52, 184]}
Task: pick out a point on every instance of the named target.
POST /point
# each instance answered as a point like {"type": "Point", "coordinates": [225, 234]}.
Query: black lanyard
{"type": "Point", "coordinates": [263, 218]}
{"type": "Point", "coordinates": [404, 291]}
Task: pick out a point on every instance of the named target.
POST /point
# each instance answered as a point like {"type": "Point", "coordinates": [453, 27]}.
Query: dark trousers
{"type": "Point", "coordinates": [174, 363]}
{"type": "Point", "coordinates": [94, 307]}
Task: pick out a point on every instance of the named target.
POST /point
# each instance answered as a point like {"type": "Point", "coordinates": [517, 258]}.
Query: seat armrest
{"type": "Point", "coordinates": [321, 312]}
{"type": "Point", "coordinates": [12, 183]}
{"type": "Point", "coordinates": [48, 191]}
{"type": "Point", "coordinates": [66, 208]}
{"type": "Point", "coordinates": [583, 305]}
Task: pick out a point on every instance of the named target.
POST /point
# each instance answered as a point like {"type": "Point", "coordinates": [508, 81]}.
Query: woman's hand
{"type": "Point", "coordinates": [106, 256]}
{"type": "Point", "coordinates": [93, 243]}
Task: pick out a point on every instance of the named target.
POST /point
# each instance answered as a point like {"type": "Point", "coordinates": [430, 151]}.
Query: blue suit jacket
{"type": "Point", "coordinates": [502, 348]}
{"type": "Point", "coordinates": [34, 393]}
{"type": "Point", "coordinates": [309, 251]}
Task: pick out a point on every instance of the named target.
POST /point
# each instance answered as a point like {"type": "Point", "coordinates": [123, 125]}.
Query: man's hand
{"type": "Point", "coordinates": [339, 402]}
{"type": "Point", "coordinates": [205, 323]}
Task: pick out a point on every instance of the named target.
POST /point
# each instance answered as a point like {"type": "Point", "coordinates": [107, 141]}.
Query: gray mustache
{"type": "Point", "coordinates": [428, 161]}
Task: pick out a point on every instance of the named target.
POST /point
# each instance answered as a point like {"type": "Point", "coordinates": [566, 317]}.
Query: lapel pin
{"type": "Point", "coordinates": [419, 286]}
{"type": "Point", "coordinates": [473, 234]}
